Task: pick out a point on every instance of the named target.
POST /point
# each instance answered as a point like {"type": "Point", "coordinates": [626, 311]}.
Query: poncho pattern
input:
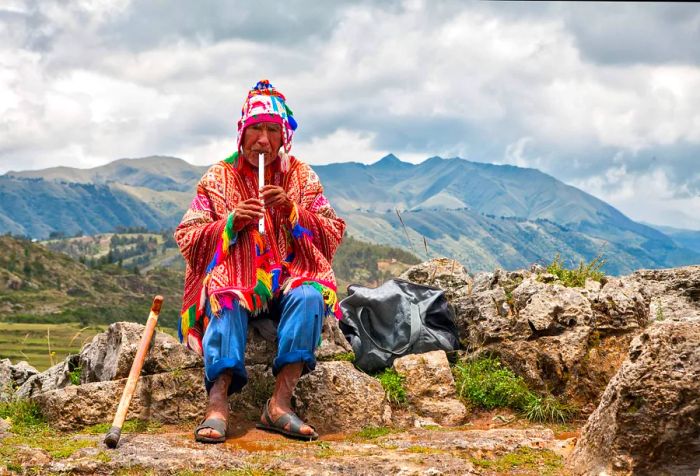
{"type": "Point", "coordinates": [246, 268]}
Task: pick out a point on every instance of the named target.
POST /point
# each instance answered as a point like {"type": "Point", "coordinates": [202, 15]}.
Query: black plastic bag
{"type": "Point", "coordinates": [396, 319]}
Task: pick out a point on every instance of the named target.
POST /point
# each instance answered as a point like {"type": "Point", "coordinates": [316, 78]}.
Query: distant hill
{"type": "Point", "coordinates": [107, 278]}
{"type": "Point", "coordinates": [40, 285]}
{"type": "Point", "coordinates": [689, 239]}
{"type": "Point", "coordinates": [482, 214]}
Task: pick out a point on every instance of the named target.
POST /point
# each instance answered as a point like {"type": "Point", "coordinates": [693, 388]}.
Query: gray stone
{"type": "Point", "coordinates": [171, 397]}
{"type": "Point", "coordinates": [647, 420]}
{"type": "Point", "coordinates": [336, 397]}
{"type": "Point", "coordinates": [430, 387]}
{"type": "Point", "coordinates": [109, 355]}
{"type": "Point", "coordinates": [261, 345]}
{"type": "Point", "coordinates": [7, 384]}
{"type": "Point", "coordinates": [21, 371]}
{"type": "Point", "coordinates": [620, 305]}
{"type": "Point", "coordinates": [551, 311]}
{"type": "Point", "coordinates": [55, 377]}
{"type": "Point", "coordinates": [444, 273]}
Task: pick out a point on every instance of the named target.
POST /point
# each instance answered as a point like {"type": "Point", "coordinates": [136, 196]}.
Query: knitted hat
{"type": "Point", "coordinates": [265, 104]}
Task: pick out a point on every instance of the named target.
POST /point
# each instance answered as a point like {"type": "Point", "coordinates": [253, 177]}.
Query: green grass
{"type": "Point", "coordinates": [129, 426]}
{"type": "Point", "coordinates": [540, 461]}
{"type": "Point", "coordinates": [29, 428]}
{"type": "Point", "coordinates": [487, 383]}
{"type": "Point", "coordinates": [342, 357]}
{"type": "Point", "coordinates": [393, 384]}
{"type": "Point", "coordinates": [31, 342]}
{"type": "Point", "coordinates": [576, 277]}
{"type": "Point", "coordinates": [372, 432]}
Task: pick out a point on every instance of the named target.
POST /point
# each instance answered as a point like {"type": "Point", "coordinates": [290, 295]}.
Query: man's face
{"type": "Point", "coordinates": [263, 137]}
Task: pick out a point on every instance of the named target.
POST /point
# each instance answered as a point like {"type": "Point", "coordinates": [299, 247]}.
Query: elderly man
{"type": "Point", "coordinates": [234, 272]}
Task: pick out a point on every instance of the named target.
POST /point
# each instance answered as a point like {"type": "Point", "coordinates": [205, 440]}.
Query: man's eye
{"type": "Point", "coordinates": [275, 129]}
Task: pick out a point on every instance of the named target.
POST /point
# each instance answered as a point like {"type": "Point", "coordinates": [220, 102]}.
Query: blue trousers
{"type": "Point", "coordinates": [301, 313]}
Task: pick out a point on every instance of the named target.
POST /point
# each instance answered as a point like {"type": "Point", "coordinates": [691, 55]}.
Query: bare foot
{"type": "Point", "coordinates": [218, 405]}
{"type": "Point", "coordinates": [276, 410]}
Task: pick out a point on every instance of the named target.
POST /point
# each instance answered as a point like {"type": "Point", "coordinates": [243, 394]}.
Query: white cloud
{"type": "Point", "coordinates": [528, 85]}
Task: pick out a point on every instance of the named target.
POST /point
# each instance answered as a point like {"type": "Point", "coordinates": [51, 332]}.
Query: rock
{"type": "Point", "coordinates": [13, 377]}
{"type": "Point", "coordinates": [7, 384]}
{"type": "Point", "coordinates": [430, 387]}
{"type": "Point", "coordinates": [110, 354]}
{"type": "Point", "coordinates": [674, 293]}
{"type": "Point", "coordinates": [254, 395]}
{"type": "Point", "coordinates": [647, 420]}
{"type": "Point", "coordinates": [482, 318]}
{"type": "Point", "coordinates": [551, 311]}
{"type": "Point", "coordinates": [21, 372]}
{"type": "Point", "coordinates": [262, 345]}
{"type": "Point", "coordinates": [336, 397]}
{"type": "Point", "coordinates": [55, 377]}
{"type": "Point", "coordinates": [171, 397]}
{"type": "Point", "coordinates": [443, 273]}
{"type": "Point", "coordinates": [620, 305]}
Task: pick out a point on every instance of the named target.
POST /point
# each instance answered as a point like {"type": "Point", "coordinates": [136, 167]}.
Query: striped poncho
{"type": "Point", "coordinates": [248, 269]}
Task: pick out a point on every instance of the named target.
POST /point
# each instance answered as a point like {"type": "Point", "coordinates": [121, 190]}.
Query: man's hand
{"type": "Point", "coordinates": [247, 212]}
{"type": "Point", "coordinates": [275, 197]}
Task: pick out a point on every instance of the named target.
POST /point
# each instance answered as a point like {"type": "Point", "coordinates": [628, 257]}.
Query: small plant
{"type": "Point", "coordinates": [75, 375]}
{"type": "Point", "coordinates": [547, 409]}
{"type": "Point", "coordinates": [393, 384]}
{"type": "Point", "coordinates": [487, 383]}
{"type": "Point", "coordinates": [577, 277]}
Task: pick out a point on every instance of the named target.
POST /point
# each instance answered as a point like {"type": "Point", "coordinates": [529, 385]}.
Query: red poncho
{"type": "Point", "coordinates": [247, 268]}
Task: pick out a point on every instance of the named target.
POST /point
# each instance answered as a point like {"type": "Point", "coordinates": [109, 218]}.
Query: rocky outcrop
{"type": "Point", "coordinates": [110, 354]}
{"type": "Point", "coordinates": [337, 397]}
{"type": "Point", "coordinates": [171, 397]}
{"type": "Point", "coordinates": [648, 420]}
{"type": "Point", "coordinates": [430, 387]}
{"type": "Point", "coordinates": [55, 377]}
{"type": "Point", "coordinates": [13, 377]}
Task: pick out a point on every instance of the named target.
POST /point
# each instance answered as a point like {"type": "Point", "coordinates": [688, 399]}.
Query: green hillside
{"type": "Point", "coordinates": [482, 214]}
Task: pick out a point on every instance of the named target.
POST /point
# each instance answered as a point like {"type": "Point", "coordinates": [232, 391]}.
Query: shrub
{"type": "Point", "coordinates": [577, 277]}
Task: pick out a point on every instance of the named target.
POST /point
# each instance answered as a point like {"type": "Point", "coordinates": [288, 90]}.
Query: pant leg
{"type": "Point", "coordinates": [299, 329]}
{"type": "Point", "coordinates": [224, 345]}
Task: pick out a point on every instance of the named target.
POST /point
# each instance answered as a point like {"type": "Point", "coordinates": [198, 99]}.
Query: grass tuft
{"type": "Point", "coordinates": [393, 384]}
{"type": "Point", "coordinates": [372, 432]}
{"type": "Point", "coordinates": [487, 383]}
{"type": "Point", "coordinates": [24, 416]}
{"type": "Point", "coordinates": [576, 277]}
{"type": "Point", "coordinates": [545, 462]}
{"type": "Point", "coordinates": [342, 357]}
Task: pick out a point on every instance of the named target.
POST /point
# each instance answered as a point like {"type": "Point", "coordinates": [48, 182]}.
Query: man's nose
{"type": "Point", "coordinates": [263, 138]}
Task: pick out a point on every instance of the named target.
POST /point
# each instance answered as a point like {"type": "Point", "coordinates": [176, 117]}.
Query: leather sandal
{"type": "Point", "coordinates": [278, 426]}
{"type": "Point", "coordinates": [215, 424]}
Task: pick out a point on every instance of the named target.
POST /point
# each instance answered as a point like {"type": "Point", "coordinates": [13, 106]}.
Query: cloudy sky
{"type": "Point", "coordinates": [605, 97]}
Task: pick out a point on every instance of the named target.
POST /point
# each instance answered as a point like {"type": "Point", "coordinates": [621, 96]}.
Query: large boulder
{"type": "Point", "coordinates": [430, 387]}
{"type": "Point", "coordinates": [171, 397]}
{"type": "Point", "coordinates": [336, 397]}
{"type": "Point", "coordinates": [567, 341]}
{"type": "Point", "coordinates": [648, 418]}
{"type": "Point", "coordinates": [110, 354]}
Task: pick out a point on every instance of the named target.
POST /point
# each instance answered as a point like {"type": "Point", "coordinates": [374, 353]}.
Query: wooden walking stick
{"type": "Point", "coordinates": [112, 437]}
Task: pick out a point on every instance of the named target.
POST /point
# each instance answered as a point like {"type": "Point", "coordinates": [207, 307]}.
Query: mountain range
{"type": "Point", "coordinates": [482, 214]}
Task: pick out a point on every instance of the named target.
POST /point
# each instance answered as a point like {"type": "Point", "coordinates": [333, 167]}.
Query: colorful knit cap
{"type": "Point", "coordinates": [266, 104]}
